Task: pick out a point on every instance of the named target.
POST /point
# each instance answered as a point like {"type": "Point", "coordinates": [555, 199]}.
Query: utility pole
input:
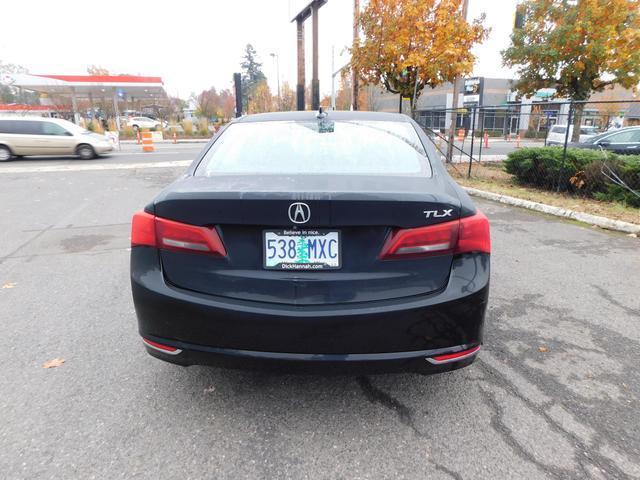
{"type": "Point", "coordinates": [354, 74]}
{"type": "Point", "coordinates": [300, 85]}
{"type": "Point", "coordinates": [333, 77]}
{"type": "Point", "coordinates": [457, 84]}
{"type": "Point", "coordinates": [277, 59]}
{"type": "Point", "coordinates": [311, 9]}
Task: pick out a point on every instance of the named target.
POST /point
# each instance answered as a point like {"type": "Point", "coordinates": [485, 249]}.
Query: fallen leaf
{"type": "Point", "coordinates": [9, 285]}
{"type": "Point", "coordinates": [543, 349]}
{"type": "Point", "coordinates": [56, 362]}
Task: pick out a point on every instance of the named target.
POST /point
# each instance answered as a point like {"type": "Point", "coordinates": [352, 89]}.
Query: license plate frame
{"type": "Point", "coordinates": [315, 233]}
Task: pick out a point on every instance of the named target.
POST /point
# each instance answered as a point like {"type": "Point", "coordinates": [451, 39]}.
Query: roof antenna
{"type": "Point", "coordinates": [321, 113]}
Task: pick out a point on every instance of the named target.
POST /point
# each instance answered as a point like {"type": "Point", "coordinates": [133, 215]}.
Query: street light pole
{"type": "Point", "coordinates": [277, 59]}
{"type": "Point", "coordinates": [456, 89]}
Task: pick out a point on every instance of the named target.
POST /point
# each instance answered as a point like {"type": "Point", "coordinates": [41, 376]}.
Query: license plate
{"type": "Point", "coordinates": [302, 249]}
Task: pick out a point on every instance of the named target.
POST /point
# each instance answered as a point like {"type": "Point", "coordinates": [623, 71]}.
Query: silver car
{"type": "Point", "coordinates": [24, 136]}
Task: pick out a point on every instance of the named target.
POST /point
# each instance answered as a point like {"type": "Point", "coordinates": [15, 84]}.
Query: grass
{"type": "Point", "coordinates": [492, 178]}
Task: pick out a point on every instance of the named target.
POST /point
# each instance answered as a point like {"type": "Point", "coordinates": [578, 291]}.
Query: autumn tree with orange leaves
{"type": "Point", "coordinates": [409, 44]}
{"type": "Point", "coordinates": [577, 47]}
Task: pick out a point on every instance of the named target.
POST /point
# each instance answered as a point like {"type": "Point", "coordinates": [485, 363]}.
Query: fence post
{"type": "Point", "coordinates": [481, 134]}
{"type": "Point", "coordinates": [473, 134]}
{"type": "Point", "coordinates": [564, 148]}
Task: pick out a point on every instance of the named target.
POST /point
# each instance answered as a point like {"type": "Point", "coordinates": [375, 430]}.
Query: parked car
{"type": "Point", "coordinates": [332, 240]}
{"type": "Point", "coordinates": [143, 122]}
{"type": "Point", "coordinates": [624, 140]}
{"type": "Point", "coordinates": [557, 133]}
{"type": "Point", "coordinates": [24, 136]}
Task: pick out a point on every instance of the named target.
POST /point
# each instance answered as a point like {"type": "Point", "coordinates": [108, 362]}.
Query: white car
{"type": "Point", "coordinates": [24, 136]}
{"type": "Point", "coordinates": [557, 134]}
{"type": "Point", "coordinates": [143, 122]}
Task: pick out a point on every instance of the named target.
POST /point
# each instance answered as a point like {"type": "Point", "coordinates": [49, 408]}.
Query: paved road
{"type": "Point", "coordinates": [497, 146]}
{"type": "Point", "coordinates": [555, 392]}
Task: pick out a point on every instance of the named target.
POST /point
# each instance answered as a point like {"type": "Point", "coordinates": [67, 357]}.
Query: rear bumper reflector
{"type": "Point", "coordinates": [453, 357]}
{"type": "Point", "coordinates": [160, 347]}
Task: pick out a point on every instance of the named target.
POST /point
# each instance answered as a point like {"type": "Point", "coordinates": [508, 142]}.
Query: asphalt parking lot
{"type": "Point", "coordinates": [554, 394]}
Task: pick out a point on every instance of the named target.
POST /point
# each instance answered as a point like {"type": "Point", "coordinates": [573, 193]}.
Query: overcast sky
{"type": "Point", "coordinates": [196, 44]}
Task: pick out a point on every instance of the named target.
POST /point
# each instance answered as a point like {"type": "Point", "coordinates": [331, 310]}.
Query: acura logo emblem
{"type": "Point", "coordinates": [299, 212]}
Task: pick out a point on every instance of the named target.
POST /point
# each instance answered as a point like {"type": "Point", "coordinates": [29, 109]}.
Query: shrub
{"type": "Point", "coordinates": [187, 125]}
{"type": "Point", "coordinates": [531, 133]}
{"type": "Point", "coordinates": [580, 172]}
{"type": "Point", "coordinates": [544, 166]}
{"type": "Point", "coordinates": [203, 127]}
{"type": "Point", "coordinates": [491, 133]}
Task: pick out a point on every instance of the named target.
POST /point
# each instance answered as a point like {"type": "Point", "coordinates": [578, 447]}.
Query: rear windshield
{"type": "Point", "coordinates": [317, 147]}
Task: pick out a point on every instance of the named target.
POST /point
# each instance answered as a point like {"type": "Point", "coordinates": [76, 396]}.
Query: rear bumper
{"type": "Point", "coordinates": [396, 334]}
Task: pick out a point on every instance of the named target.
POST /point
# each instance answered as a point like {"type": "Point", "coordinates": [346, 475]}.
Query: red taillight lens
{"type": "Point", "coordinates": [166, 234]}
{"type": "Point", "coordinates": [422, 241]}
{"type": "Point", "coordinates": [469, 234]}
{"type": "Point", "coordinates": [143, 229]}
{"type": "Point", "coordinates": [474, 235]}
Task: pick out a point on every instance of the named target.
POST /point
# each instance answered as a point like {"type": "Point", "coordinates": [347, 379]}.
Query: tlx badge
{"type": "Point", "coordinates": [437, 213]}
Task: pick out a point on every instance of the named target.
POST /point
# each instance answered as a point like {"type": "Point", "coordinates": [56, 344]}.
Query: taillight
{"type": "Point", "coordinates": [152, 231]}
{"type": "Point", "coordinates": [469, 234]}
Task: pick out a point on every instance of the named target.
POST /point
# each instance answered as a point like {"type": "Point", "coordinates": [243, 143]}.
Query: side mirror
{"type": "Point", "coordinates": [604, 143]}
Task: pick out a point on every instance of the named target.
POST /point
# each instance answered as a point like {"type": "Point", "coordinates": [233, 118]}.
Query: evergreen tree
{"type": "Point", "coordinates": [252, 74]}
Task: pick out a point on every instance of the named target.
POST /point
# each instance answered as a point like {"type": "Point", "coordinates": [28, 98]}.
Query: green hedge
{"type": "Point", "coordinates": [580, 173]}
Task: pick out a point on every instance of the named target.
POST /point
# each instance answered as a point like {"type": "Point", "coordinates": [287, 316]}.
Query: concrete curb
{"type": "Point", "coordinates": [602, 222]}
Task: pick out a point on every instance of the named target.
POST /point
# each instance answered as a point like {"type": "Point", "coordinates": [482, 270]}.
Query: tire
{"type": "Point", "coordinates": [5, 153]}
{"type": "Point", "coordinates": [85, 152]}
{"type": "Point", "coordinates": [135, 128]}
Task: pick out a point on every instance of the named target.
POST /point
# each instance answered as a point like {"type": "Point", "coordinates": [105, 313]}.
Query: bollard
{"type": "Point", "coordinates": [147, 142]}
{"type": "Point", "coordinates": [518, 141]}
{"type": "Point", "coordinates": [138, 136]}
{"type": "Point", "coordinates": [486, 140]}
{"type": "Point", "coordinates": [174, 138]}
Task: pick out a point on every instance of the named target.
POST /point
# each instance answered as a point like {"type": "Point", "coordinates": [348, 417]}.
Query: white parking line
{"type": "Point", "coordinates": [101, 166]}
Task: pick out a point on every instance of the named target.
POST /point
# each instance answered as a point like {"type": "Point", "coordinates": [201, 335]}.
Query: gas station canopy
{"type": "Point", "coordinates": [119, 87]}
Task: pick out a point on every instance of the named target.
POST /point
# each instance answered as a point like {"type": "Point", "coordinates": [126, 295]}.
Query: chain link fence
{"type": "Point", "coordinates": [536, 145]}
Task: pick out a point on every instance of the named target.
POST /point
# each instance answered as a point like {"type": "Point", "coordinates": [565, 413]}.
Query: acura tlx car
{"type": "Point", "coordinates": [317, 240]}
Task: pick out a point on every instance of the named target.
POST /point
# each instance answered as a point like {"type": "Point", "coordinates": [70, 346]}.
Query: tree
{"type": "Point", "coordinates": [10, 94]}
{"type": "Point", "coordinates": [252, 74]}
{"type": "Point", "coordinates": [261, 100]}
{"type": "Point", "coordinates": [209, 104]}
{"type": "Point", "coordinates": [227, 103]}
{"type": "Point", "coordinates": [287, 97]}
{"type": "Point", "coordinates": [97, 70]}
{"type": "Point", "coordinates": [576, 47]}
{"type": "Point", "coordinates": [406, 41]}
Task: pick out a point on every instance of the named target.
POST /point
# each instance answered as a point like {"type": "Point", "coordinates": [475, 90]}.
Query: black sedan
{"type": "Point", "coordinates": [315, 240]}
{"type": "Point", "coordinates": [622, 141]}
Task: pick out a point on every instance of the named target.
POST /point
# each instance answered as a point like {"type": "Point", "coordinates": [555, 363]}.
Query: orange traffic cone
{"type": "Point", "coordinates": [486, 140]}
{"type": "Point", "coordinates": [174, 138]}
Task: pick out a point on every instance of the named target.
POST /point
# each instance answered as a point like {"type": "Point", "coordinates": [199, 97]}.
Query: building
{"type": "Point", "coordinates": [503, 112]}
